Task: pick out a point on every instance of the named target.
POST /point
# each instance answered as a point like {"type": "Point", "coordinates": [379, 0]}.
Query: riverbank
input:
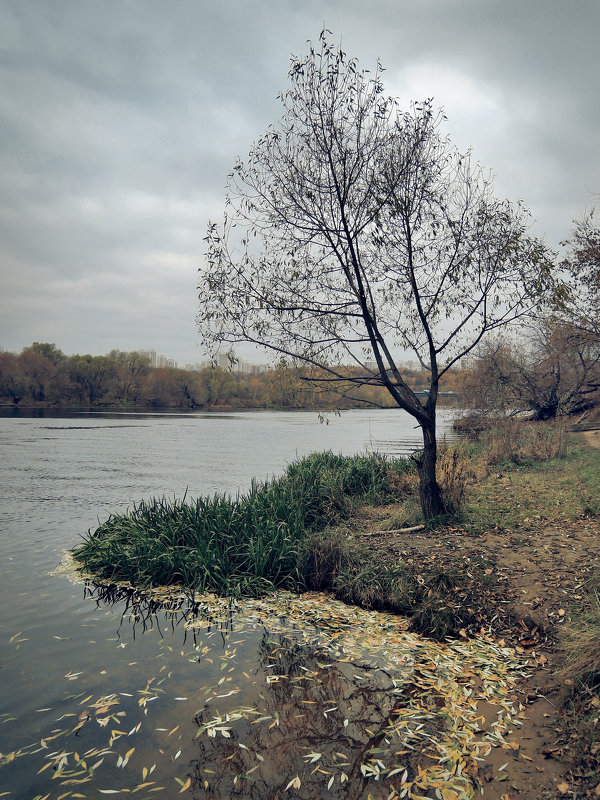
{"type": "Point", "coordinates": [517, 570]}
{"type": "Point", "coordinates": [526, 561]}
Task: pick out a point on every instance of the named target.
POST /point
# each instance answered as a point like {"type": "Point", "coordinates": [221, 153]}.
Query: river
{"type": "Point", "coordinates": [101, 697]}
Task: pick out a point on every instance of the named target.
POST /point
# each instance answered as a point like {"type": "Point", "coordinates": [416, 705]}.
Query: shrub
{"type": "Point", "coordinates": [455, 471]}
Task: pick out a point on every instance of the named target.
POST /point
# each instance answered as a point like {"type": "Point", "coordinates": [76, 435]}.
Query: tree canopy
{"type": "Point", "coordinates": [582, 266]}
{"type": "Point", "coordinates": [551, 370]}
{"type": "Point", "coordinates": [355, 231]}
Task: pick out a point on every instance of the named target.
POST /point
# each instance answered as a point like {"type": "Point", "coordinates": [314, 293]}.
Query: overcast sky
{"type": "Point", "coordinates": [120, 120]}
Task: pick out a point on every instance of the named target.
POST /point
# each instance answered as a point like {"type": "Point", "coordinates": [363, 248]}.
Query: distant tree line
{"type": "Point", "coordinates": [42, 375]}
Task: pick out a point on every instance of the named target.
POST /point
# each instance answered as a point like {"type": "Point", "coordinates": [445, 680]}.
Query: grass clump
{"type": "Point", "coordinates": [433, 599]}
{"type": "Point", "coordinates": [243, 546]}
{"type": "Point", "coordinates": [512, 441]}
{"type": "Point", "coordinates": [580, 675]}
{"type": "Point", "coordinates": [455, 473]}
{"type": "Point", "coordinates": [582, 647]}
{"type": "Point", "coordinates": [381, 587]}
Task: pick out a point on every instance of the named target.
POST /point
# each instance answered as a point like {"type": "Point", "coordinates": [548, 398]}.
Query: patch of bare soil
{"type": "Point", "coordinates": [536, 578]}
{"type": "Point", "coordinates": [592, 437]}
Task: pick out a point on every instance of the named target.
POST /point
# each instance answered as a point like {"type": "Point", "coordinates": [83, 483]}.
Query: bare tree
{"type": "Point", "coordinates": [552, 370]}
{"type": "Point", "coordinates": [354, 231]}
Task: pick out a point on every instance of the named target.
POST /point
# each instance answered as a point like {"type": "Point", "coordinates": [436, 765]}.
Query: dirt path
{"type": "Point", "coordinates": [537, 574]}
{"type": "Point", "coordinates": [592, 438]}
{"type": "Point", "coordinates": [539, 577]}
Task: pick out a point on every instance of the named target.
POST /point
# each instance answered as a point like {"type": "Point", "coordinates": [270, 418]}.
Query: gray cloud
{"type": "Point", "coordinates": [120, 121]}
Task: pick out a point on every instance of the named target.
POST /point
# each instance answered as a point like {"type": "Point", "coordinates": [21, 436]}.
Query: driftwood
{"type": "Point", "coordinates": [398, 530]}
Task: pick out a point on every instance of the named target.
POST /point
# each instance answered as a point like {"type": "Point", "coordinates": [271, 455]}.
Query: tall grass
{"type": "Point", "coordinates": [523, 443]}
{"type": "Point", "coordinates": [238, 546]}
{"type": "Point", "coordinates": [582, 646]}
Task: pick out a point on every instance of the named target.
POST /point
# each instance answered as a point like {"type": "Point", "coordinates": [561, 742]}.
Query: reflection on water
{"type": "Point", "coordinates": [346, 702]}
{"type": "Point", "coordinates": [106, 691]}
{"type": "Point", "coordinates": [142, 614]}
{"type": "Point", "coordinates": [311, 727]}
{"type": "Point", "coordinates": [259, 697]}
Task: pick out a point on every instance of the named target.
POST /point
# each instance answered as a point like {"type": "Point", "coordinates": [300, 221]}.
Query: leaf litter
{"type": "Point", "coordinates": [335, 697]}
{"type": "Point", "coordinates": [407, 709]}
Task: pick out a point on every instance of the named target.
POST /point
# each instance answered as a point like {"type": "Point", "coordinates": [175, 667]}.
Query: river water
{"type": "Point", "coordinates": [98, 696]}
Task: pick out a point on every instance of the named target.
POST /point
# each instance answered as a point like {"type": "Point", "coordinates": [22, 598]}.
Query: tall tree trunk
{"type": "Point", "coordinates": [432, 504]}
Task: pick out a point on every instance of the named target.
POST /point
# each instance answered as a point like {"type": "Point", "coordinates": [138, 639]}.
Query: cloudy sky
{"type": "Point", "coordinates": [119, 120]}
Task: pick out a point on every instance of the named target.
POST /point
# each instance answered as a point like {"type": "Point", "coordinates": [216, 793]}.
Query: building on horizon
{"type": "Point", "coordinates": [150, 355]}
{"type": "Point", "coordinates": [157, 360]}
{"type": "Point", "coordinates": [227, 361]}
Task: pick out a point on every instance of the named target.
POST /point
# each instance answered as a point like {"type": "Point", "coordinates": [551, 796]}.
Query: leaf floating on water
{"type": "Point", "coordinates": [185, 786]}
{"type": "Point", "coordinates": [142, 785]}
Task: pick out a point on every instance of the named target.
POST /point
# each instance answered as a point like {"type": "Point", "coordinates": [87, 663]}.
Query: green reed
{"type": "Point", "coordinates": [237, 546]}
